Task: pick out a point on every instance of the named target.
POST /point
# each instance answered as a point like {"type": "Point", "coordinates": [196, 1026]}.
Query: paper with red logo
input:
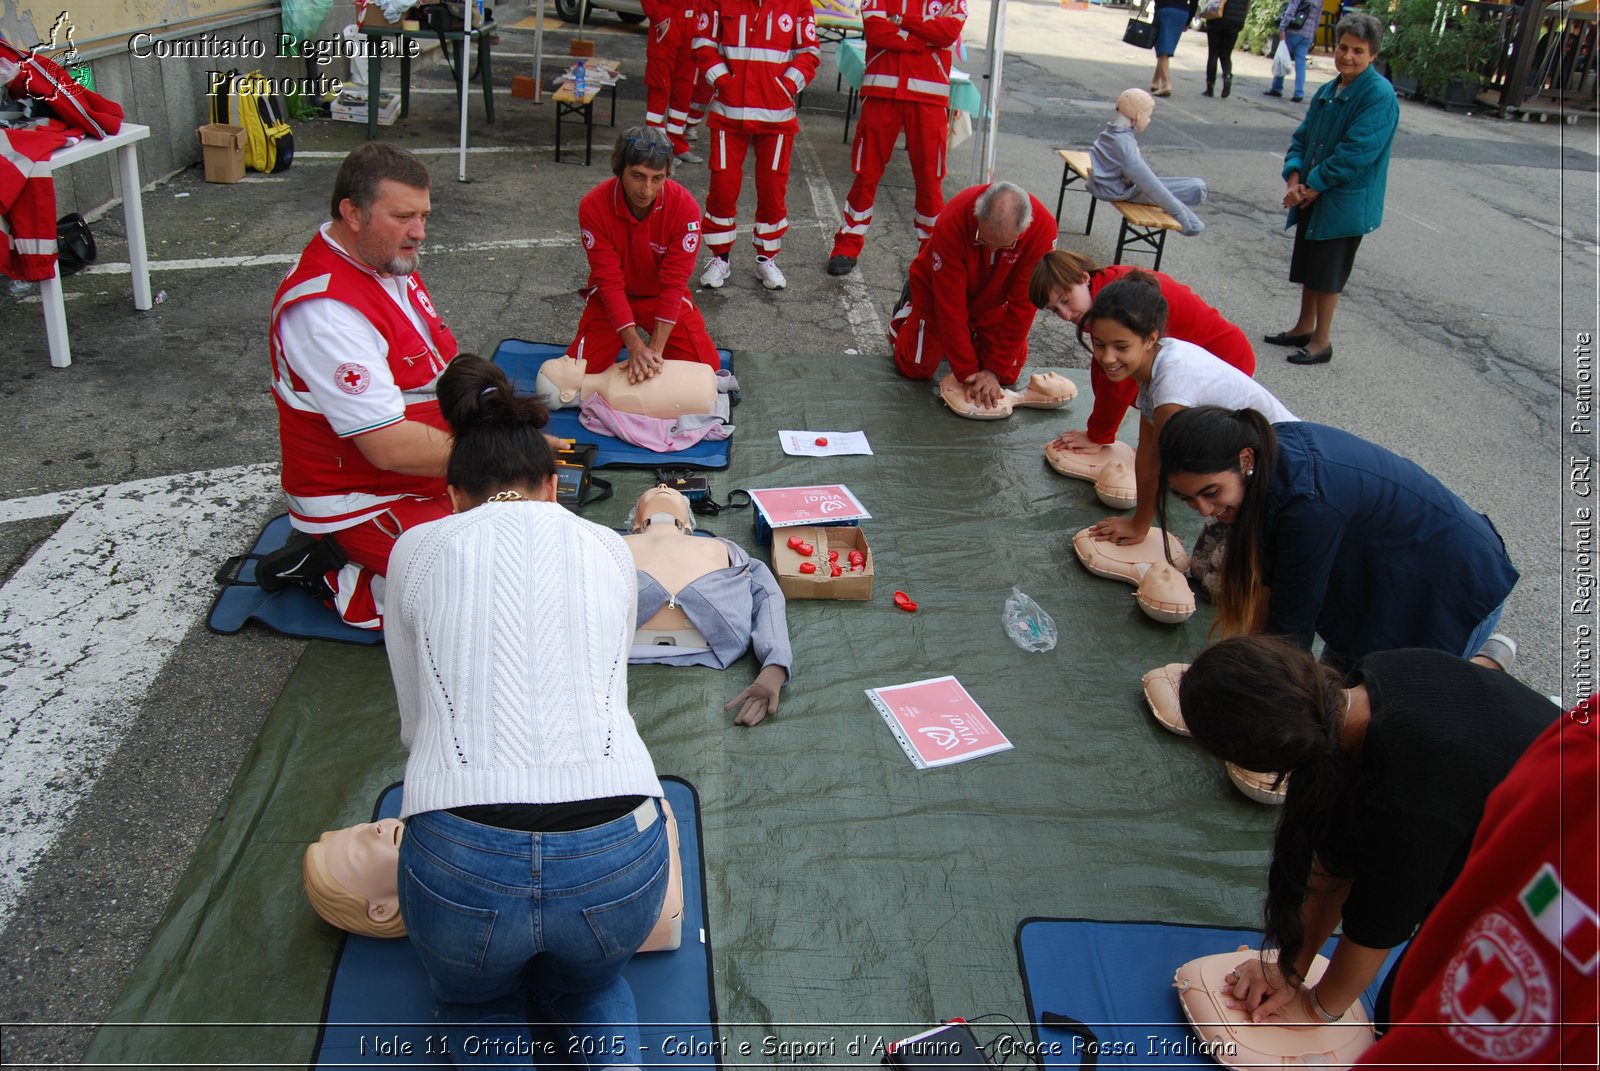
{"type": "Point", "coordinates": [937, 722]}
{"type": "Point", "coordinates": [784, 507]}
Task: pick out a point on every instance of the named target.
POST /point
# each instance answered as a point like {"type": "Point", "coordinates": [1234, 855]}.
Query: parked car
{"type": "Point", "coordinates": [628, 11]}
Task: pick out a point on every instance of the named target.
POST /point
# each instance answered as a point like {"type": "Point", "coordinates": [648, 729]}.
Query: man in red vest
{"type": "Point", "coordinates": [357, 347]}
{"type": "Point", "coordinates": [906, 87]}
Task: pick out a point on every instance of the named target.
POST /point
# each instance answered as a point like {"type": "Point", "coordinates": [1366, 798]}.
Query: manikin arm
{"type": "Point", "coordinates": [769, 642]}
{"type": "Point", "coordinates": [1136, 171]}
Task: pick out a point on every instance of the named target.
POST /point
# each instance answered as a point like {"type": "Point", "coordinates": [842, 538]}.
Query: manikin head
{"type": "Point", "coordinates": [380, 207]}
{"type": "Point", "coordinates": [661, 505]}
{"type": "Point", "coordinates": [560, 381]}
{"type": "Point", "coordinates": [1136, 106]}
{"type": "Point", "coordinates": [352, 876]}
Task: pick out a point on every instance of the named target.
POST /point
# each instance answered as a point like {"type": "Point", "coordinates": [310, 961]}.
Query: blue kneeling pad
{"type": "Point", "coordinates": [292, 611]}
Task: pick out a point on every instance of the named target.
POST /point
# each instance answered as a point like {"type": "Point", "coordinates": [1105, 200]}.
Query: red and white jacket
{"type": "Point", "coordinates": [910, 46]}
{"type": "Point", "coordinates": [640, 264]}
{"type": "Point", "coordinates": [758, 56]}
{"type": "Point", "coordinates": [329, 482]}
{"type": "Point", "coordinates": [27, 190]}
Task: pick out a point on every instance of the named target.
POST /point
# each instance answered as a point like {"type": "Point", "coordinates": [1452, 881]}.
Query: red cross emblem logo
{"type": "Point", "coordinates": [352, 378]}
{"type": "Point", "coordinates": [1496, 995]}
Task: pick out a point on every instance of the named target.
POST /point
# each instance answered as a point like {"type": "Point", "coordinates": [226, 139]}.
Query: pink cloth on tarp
{"type": "Point", "coordinates": [652, 433]}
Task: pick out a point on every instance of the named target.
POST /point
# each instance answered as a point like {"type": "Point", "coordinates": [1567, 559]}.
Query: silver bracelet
{"type": "Point", "coordinates": [1316, 1006]}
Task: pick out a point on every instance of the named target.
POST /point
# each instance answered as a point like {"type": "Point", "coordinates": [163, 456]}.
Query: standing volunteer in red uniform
{"type": "Point", "coordinates": [357, 348]}
{"type": "Point", "coordinates": [758, 55]}
{"type": "Point", "coordinates": [641, 232]}
{"type": "Point", "coordinates": [669, 71]}
{"type": "Point", "coordinates": [968, 294]}
{"type": "Point", "coordinates": [906, 87]}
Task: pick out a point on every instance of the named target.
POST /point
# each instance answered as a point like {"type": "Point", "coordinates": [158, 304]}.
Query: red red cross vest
{"type": "Point", "coordinates": [330, 483]}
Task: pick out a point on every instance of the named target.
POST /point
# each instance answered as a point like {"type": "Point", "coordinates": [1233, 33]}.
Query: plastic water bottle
{"type": "Point", "coordinates": [580, 82]}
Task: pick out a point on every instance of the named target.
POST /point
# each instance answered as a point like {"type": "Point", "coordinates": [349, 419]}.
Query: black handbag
{"type": "Point", "coordinates": [1140, 34]}
{"type": "Point", "coordinates": [74, 244]}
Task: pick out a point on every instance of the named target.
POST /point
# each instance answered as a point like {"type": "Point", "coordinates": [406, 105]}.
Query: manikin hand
{"type": "Point", "coordinates": [1119, 530]}
{"type": "Point", "coordinates": [1078, 442]}
{"type": "Point", "coordinates": [1262, 991]}
{"type": "Point", "coordinates": [760, 699]}
{"type": "Point", "coordinates": [983, 389]}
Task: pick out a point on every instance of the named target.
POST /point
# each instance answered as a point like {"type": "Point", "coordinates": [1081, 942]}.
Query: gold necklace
{"type": "Point", "coordinates": [506, 496]}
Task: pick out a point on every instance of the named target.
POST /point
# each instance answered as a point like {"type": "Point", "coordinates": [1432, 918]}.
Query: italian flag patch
{"type": "Point", "coordinates": [1566, 921]}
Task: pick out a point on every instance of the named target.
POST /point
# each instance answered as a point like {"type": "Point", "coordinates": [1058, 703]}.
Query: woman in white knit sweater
{"type": "Point", "coordinates": [535, 858]}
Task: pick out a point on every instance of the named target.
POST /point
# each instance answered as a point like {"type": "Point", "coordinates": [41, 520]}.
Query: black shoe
{"type": "Point", "coordinates": [1273, 93]}
{"type": "Point", "coordinates": [1227, 85]}
{"type": "Point", "coordinates": [841, 265]}
{"type": "Point", "coordinates": [1322, 356]}
{"type": "Point", "coordinates": [1296, 100]}
{"type": "Point", "coordinates": [903, 300]}
{"type": "Point", "coordinates": [1207, 91]}
{"type": "Point", "coordinates": [303, 561]}
{"type": "Point", "coordinates": [1284, 338]}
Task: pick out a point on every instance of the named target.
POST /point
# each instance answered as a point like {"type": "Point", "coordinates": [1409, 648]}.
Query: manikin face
{"type": "Point", "coordinates": [365, 860]}
{"type": "Point", "coordinates": [660, 499]}
{"type": "Point", "coordinates": [1214, 494]}
{"type": "Point", "coordinates": [641, 185]}
{"type": "Point", "coordinates": [1120, 351]}
{"type": "Point", "coordinates": [1070, 304]}
{"type": "Point", "coordinates": [389, 235]}
{"type": "Point", "coordinates": [1351, 56]}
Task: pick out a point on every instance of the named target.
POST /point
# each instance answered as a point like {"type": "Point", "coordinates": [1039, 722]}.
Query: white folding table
{"type": "Point", "coordinates": [55, 309]}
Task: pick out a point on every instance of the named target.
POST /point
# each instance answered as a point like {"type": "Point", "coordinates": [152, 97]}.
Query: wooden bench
{"type": "Point", "coordinates": [1143, 225]}
{"type": "Point", "coordinates": [567, 103]}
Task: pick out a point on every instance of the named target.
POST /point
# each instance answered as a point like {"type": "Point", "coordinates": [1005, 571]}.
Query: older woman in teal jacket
{"type": "Point", "coordinates": [1336, 172]}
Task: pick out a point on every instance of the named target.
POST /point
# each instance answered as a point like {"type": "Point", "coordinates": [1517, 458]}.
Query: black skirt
{"type": "Point", "coordinates": [1323, 265]}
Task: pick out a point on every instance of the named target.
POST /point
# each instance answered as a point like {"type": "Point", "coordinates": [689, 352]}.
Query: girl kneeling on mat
{"type": "Point", "coordinates": [535, 857]}
{"type": "Point", "coordinates": [1387, 780]}
{"type": "Point", "coordinates": [1334, 536]}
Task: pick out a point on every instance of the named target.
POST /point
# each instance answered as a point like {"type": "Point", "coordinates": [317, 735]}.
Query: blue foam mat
{"type": "Point", "coordinates": [521, 361]}
{"type": "Point", "coordinates": [1116, 978]}
{"type": "Point", "coordinates": [382, 982]}
{"type": "Point", "coordinates": [292, 611]}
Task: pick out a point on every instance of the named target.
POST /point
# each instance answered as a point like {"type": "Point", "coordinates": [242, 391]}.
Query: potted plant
{"type": "Point", "coordinates": [1439, 48]}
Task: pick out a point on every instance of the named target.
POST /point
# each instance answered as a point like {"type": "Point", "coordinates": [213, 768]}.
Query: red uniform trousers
{"type": "Point", "coordinates": [368, 546]}
{"type": "Point", "coordinates": [669, 79]}
{"type": "Point", "coordinates": [725, 155]}
{"type": "Point", "coordinates": [917, 350]}
{"type": "Point", "coordinates": [599, 345]}
{"type": "Point", "coordinates": [927, 131]}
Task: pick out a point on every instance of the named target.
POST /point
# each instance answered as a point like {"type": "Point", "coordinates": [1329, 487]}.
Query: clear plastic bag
{"type": "Point", "coordinates": [1027, 624]}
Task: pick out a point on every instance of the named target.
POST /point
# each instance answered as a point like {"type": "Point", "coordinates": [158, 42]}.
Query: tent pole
{"type": "Point", "coordinates": [984, 154]}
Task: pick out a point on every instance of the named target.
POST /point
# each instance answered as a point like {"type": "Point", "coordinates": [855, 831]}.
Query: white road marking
{"type": "Point", "coordinates": [86, 625]}
{"type": "Point", "coordinates": [556, 241]}
{"type": "Point", "coordinates": [858, 308]}
{"type": "Point", "coordinates": [1414, 219]}
{"type": "Point", "coordinates": [441, 150]}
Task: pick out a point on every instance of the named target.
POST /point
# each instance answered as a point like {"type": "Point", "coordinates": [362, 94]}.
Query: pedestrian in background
{"type": "Point", "coordinates": [1171, 17]}
{"type": "Point", "coordinates": [1336, 173]}
{"type": "Point", "coordinates": [1298, 24]}
{"type": "Point", "coordinates": [1222, 33]}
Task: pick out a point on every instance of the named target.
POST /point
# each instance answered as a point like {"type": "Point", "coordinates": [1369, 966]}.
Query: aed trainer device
{"type": "Point", "coordinates": [951, 1045]}
{"type": "Point", "coordinates": [685, 483]}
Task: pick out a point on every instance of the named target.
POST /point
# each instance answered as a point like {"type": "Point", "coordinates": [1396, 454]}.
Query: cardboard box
{"type": "Point", "coordinates": [222, 147]}
{"type": "Point", "coordinates": [350, 106]}
{"type": "Point", "coordinates": [372, 15]}
{"type": "Point", "coordinates": [821, 585]}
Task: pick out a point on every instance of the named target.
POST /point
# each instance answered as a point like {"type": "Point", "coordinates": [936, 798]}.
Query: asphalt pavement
{"type": "Point", "coordinates": [1454, 347]}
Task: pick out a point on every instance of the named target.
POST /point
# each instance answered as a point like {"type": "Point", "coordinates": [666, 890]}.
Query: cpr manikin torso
{"type": "Point", "coordinates": [665, 547]}
{"type": "Point", "coordinates": [1044, 390]}
{"type": "Point", "coordinates": [679, 388]}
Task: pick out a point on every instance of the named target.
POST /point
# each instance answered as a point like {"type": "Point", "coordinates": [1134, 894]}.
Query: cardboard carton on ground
{"type": "Point", "coordinates": [222, 147]}
{"type": "Point", "coordinates": [350, 106]}
{"type": "Point", "coordinates": [820, 585]}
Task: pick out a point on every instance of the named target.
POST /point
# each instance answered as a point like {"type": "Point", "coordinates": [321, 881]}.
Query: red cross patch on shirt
{"type": "Point", "coordinates": [352, 378]}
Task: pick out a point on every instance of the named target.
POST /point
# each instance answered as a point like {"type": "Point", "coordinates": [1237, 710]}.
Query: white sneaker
{"type": "Point", "coordinates": [770, 274]}
{"type": "Point", "coordinates": [716, 273]}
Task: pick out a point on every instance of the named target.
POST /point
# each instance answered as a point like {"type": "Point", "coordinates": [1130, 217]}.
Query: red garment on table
{"type": "Point", "coordinates": [1503, 970]}
{"type": "Point", "coordinates": [639, 274]}
{"type": "Point", "coordinates": [1188, 318]}
{"type": "Point", "coordinates": [969, 304]}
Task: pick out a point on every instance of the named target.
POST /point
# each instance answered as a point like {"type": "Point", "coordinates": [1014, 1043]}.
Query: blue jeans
{"type": "Point", "coordinates": [513, 927]}
{"type": "Point", "coordinates": [1299, 47]}
{"type": "Point", "coordinates": [1485, 629]}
